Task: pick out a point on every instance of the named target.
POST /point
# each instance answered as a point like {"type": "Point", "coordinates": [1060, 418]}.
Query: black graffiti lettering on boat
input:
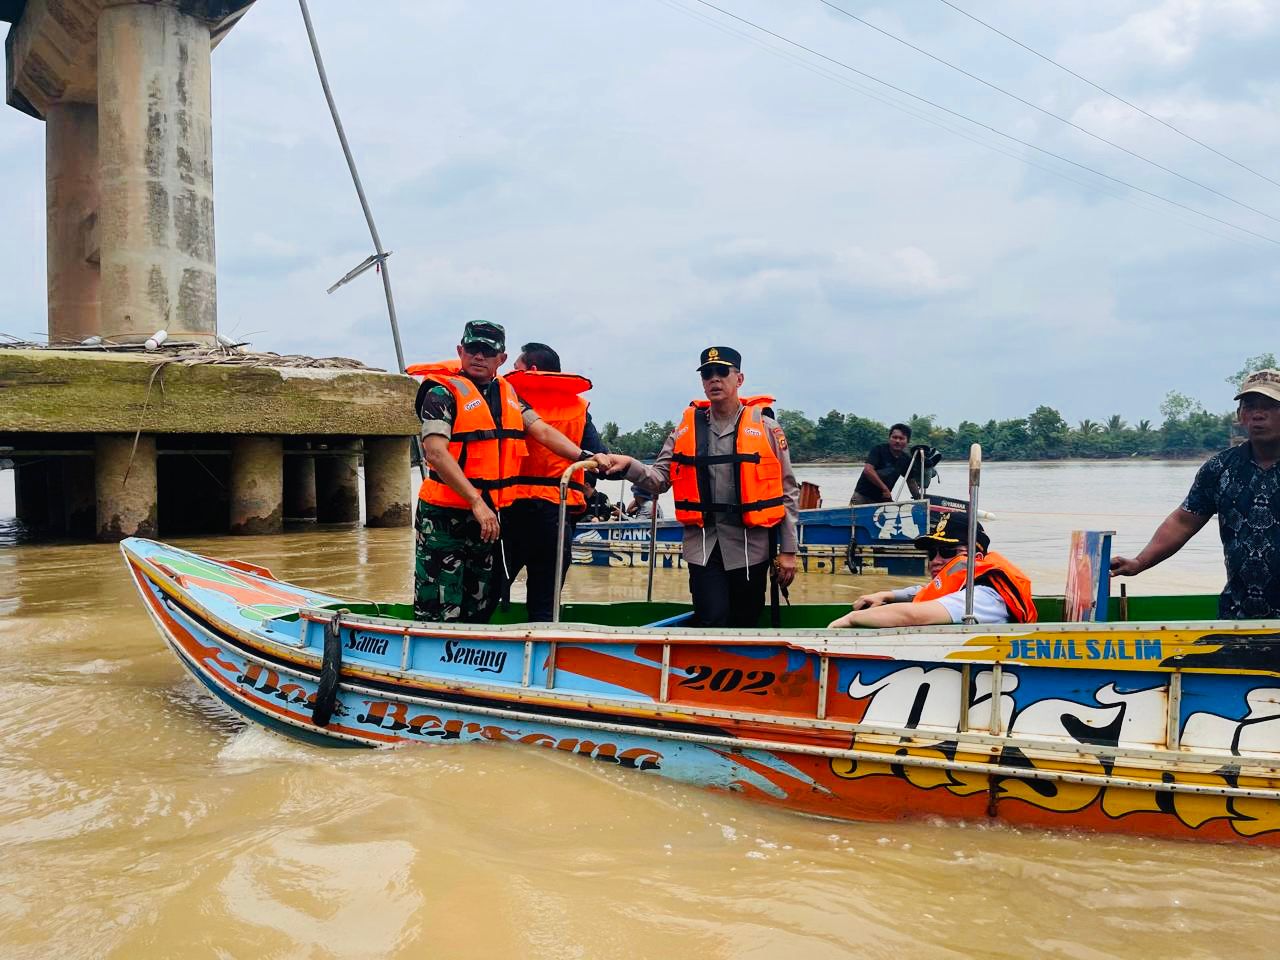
{"type": "Point", "coordinates": [395, 717]}
{"type": "Point", "coordinates": [485, 661]}
{"type": "Point", "coordinates": [266, 683]}
{"type": "Point", "coordinates": [367, 643]}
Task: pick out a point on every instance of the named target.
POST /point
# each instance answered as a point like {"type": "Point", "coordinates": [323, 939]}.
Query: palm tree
{"type": "Point", "coordinates": [1115, 424]}
{"type": "Point", "coordinates": [1088, 427]}
{"type": "Point", "coordinates": [1144, 426]}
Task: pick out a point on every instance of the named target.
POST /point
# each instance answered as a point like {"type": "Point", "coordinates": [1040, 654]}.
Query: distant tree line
{"type": "Point", "coordinates": [1187, 430]}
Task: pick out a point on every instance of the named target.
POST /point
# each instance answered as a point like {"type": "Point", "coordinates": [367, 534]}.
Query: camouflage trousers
{"type": "Point", "coordinates": [453, 567]}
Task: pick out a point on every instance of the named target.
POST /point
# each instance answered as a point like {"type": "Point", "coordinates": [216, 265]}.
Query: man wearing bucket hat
{"type": "Point", "coordinates": [1001, 592]}
{"type": "Point", "coordinates": [474, 434]}
{"type": "Point", "coordinates": [729, 470]}
{"type": "Point", "coordinates": [1242, 486]}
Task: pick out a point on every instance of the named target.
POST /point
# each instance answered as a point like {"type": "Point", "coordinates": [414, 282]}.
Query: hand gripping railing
{"type": "Point", "coordinates": [560, 542]}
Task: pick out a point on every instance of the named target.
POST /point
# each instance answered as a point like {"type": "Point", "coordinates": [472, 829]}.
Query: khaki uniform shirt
{"type": "Point", "coordinates": [739, 546]}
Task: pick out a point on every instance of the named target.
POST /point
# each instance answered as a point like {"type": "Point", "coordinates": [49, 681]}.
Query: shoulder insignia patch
{"type": "Point", "coordinates": [781, 437]}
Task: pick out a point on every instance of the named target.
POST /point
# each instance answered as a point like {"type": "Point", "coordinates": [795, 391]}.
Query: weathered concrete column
{"type": "Point", "coordinates": [155, 142]}
{"type": "Point", "coordinates": [257, 485]}
{"type": "Point", "coordinates": [71, 211]}
{"type": "Point", "coordinates": [337, 489]}
{"type": "Point", "coordinates": [386, 486]}
{"type": "Point", "coordinates": [126, 491]}
{"type": "Point", "coordinates": [299, 487]}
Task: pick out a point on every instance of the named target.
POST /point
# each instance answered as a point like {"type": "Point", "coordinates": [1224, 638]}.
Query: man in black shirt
{"type": "Point", "coordinates": [886, 462]}
{"type": "Point", "coordinates": [1242, 486]}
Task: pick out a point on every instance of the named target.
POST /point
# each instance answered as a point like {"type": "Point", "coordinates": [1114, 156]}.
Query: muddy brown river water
{"type": "Point", "coordinates": [138, 818]}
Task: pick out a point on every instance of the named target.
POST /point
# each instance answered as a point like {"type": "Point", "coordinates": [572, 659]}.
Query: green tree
{"type": "Point", "coordinates": [829, 436]}
{"type": "Point", "coordinates": [800, 431]}
{"type": "Point", "coordinates": [1178, 406]}
{"type": "Point", "coordinates": [1088, 428]}
{"type": "Point", "coordinates": [1116, 424]}
{"type": "Point", "coordinates": [1047, 431]}
{"type": "Point", "coordinates": [1263, 361]}
{"type": "Point", "coordinates": [610, 435]}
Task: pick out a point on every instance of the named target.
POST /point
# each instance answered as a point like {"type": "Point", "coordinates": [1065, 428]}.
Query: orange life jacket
{"type": "Point", "coordinates": [554, 396]}
{"type": "Point", "coordinates": [424, 370]}
{"type": "Point", "coordinates": [488, 453]}
{"type": "Point", "coordinates": [989, 570]}
{"type": "Point", "coordinates": [758, 501]}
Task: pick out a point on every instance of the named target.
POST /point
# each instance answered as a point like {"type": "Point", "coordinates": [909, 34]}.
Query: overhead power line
{"type": "Point", "coordinates": [871, 93]}
{"type": "Point", "coordinates": [974, 137]}
{"type": "Point", "coordinates": [1048, 113]}
{"type": "Point", "coordinates": [986, 126]}
{"type": "Point", "coordinates": [1110, 93]}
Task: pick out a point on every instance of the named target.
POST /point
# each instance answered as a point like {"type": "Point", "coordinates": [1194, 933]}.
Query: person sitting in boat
{"type": "Point", "coordinates": [728, 465]}
{"type": "Point", "coordinates": [642, 504]}
{"type": "Point", "coordinates": [1242, 486]}
{"type": "Point", "coordinates": [474, 431]}
{"type": "Point", "coordinates": [886, 462]}
{"type": "Point", "coordinates": [531, 524]}
{"type": "Point", "coordinates": [1001, 592]}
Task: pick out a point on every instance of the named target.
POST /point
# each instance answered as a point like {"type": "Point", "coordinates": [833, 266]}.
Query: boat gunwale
{"type": "Point", "coordinates": [740, 744]}
{"type": "Point", "coordinates": [415, 680]}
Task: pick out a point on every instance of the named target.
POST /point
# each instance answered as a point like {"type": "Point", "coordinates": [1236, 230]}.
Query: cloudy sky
{"type": "Point", "coordinates": [632, 180]}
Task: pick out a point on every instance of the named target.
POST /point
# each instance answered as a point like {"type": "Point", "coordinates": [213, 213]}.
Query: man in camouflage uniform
{"type": "Point", "coordinates": [455, 547]}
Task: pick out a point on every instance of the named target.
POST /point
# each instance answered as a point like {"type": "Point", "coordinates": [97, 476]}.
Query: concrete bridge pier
{"type": "Point", "coordinates": [299, 486]}
{"type": "Point", "coordinates": [155, 147]}
{"type": "Point", "coordinates": [125, 482]}
{"type": "Point", "coordinates": [386, 470]}
{"type": "Point", "coordinates": [71, 232]}
{"type": "Point", "coordinates": [257, 485]}
{"type": "Point", "coordinates": [337, 487]}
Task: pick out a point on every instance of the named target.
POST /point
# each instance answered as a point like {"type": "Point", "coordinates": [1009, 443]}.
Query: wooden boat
{"type": "Point", "coordinates": [1166, 726]}
{"type": "Point", "coordinates": [870, 538]}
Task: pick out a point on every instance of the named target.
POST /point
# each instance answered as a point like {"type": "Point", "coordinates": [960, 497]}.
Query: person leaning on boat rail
{"type": "Point", "coordinates": [1001, 592]}
{"type": "Point", "coordinates": [728, 466]}
{"type": "Point", "coordinates": [886, 462]}
{"type": "Point", "coordinates": [643, 504]}
{"type": "Point", "coordinates": [531, 524]}
{"type": "Point", "coordinates": [474, 431]}
{"type": "Point", "coordinates": [1242, 486]}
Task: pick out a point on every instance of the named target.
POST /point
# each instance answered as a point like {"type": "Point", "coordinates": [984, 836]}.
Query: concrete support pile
{"type": "Point", "coordinates": [257, 485]}
{"type": "Point", "coordinates": [125, 480]}
{"type": "Point", "coordinates": [386, 471]}
{"type": "Point", "coordinates": [299, 487]}
{"type": "Point", "coordinates": [337, 488]}
{"type": "Point", "coordinates": [71, 234]}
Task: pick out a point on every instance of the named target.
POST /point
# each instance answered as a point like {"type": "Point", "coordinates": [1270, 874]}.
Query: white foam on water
{"type": "Point", "coordinates": [96, 666]}
{"type": "Point", "coordinates": [255, 743]}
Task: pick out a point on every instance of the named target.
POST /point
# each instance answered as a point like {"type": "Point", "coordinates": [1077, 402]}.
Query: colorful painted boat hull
{"type": "Point", "coordinates": [1166, 729]}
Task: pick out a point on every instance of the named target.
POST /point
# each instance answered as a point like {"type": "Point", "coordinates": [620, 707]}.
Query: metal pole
{"type": "Point", "coordinates": [975, 471]}
{"type": "Point", "coordinates": [653, 549]}
{"type": "Point", "coordinates": [564, 506]}
{"type": "Point", "coordinates": [364, 205]}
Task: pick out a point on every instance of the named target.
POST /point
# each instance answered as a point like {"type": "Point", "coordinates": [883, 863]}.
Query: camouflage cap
{"type": "Point", "coordinates": [486, 333]}
{"type": "Point", "coordinates": [1265, 382]}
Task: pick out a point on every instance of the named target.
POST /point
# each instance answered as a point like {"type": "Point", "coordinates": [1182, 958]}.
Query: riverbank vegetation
{"type": "Point", "coordinates": [1186, 430]}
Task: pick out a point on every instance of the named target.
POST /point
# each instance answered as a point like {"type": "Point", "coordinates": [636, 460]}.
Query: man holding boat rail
{"type": "Point", "coordinates": [728, 466]}
{"type": "Point", "coordinates": [1242, 486]}
{"type": "Point", "coordinates": [1001, 592]}
{"type": "Point", "coordinates": [475, 431]}
{"type": "Point", "coordinates": [531, 525]}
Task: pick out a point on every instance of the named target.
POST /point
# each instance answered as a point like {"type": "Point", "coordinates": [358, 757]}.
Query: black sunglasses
{"type": "Point", "coordinates": [945, 552]}
{"type": "Point", "coordinates": [712, 372]}
{"type": "Point", "coordinates": [480, 350]}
